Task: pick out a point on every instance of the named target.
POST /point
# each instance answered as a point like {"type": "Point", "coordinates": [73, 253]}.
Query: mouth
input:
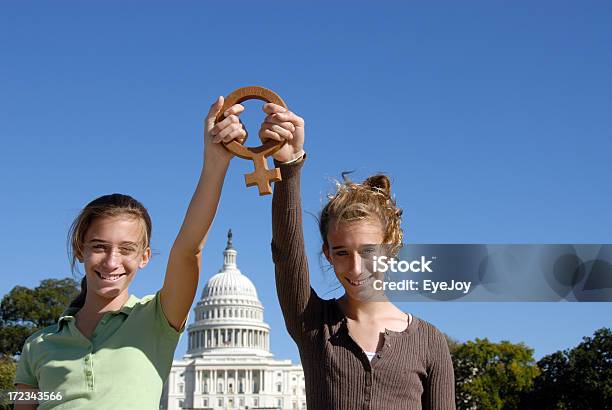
{"type": "Point", "coordinates": [109, 277]}
{"type": "Point", "coordinates": [357, 282]}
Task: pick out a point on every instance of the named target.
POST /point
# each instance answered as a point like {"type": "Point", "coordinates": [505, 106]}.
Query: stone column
{"type": "Point", "coordinates": [243, 381]}
{"type": "Point", "coordinates": [200, 377]}
{"type": "Point", "coordinates": [213, 384]}
{"type": "Point", "coordinates": [249, 384]}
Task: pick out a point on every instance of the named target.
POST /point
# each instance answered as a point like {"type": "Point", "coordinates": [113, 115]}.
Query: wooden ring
{"type": "Point", "coordinates": [250, 93]}
{"type": "Point", "coordinates": [262, 176]}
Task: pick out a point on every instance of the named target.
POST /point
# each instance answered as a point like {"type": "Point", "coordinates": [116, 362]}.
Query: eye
{"type": "Point", "coordinates": [341, 253]}
{"type": "Point", "coordinates": [127, 250]}
{"type": "Point", "coordinates": [99, 247]}
{"type": "Point", "coordinates": [368, 251]}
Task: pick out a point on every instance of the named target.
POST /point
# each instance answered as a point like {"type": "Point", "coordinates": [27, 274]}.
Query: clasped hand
{"type": "Point", "coordinates": [280, 124]}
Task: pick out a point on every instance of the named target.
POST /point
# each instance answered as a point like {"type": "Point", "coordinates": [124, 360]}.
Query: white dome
{"type": "Point", "coordinates": [229, 316]}
{"type": "Point", "coordinates": [229, 283]}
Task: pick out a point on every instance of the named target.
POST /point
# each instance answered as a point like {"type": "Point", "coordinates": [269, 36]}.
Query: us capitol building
{"type": "Point", "coordinates": [228, 364]}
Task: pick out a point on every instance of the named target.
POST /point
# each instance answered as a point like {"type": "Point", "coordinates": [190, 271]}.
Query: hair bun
{"type": "Point", "coordinates": [380, 183]}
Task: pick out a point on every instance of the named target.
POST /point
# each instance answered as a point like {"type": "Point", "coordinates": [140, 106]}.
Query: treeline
{"type": "Point", "coordinates": [505, 376]}
{"type": "Point", "coordinates": [24, 311]}
{"type": "Point", "coordinates": [500, 376]}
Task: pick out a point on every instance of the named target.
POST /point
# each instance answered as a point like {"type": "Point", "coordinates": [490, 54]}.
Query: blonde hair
{"type": "Point", "coordinates": [105, 206]}
{"type": "Point", "coordinates": [366, 201]}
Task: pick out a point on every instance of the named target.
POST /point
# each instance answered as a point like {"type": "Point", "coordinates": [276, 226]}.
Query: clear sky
{"type": "Point", "coordinates": [492, 118]}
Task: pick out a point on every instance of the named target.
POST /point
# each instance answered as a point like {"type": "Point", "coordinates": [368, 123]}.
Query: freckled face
{"type": "Point", "coordinates": [351, 247]}
{"type": "Point", "coordinates": [113, 254]}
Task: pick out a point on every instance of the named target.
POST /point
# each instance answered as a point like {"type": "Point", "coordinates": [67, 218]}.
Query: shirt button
{"type": "Point", "coordinates": [88, 372]}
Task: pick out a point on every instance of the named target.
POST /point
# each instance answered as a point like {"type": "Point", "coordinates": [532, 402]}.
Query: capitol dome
{"type": "Point", "coordinates": [229, 284]}
{"type": "Point", "coordinates": [229, 315]}
{"type": "Point", "coordinates": [229, 281]}
{"type": "Point", "coordinates": [228, 364]}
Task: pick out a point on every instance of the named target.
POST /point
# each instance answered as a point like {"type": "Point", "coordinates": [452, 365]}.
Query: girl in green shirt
{"type": "Point", "coordinates": [110, 349]}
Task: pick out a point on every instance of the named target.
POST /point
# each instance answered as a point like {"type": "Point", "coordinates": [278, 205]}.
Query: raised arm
{"type": "Point", "coordinates": [288, 252]}
{"type": "Point", "coordinates": [182, 273]}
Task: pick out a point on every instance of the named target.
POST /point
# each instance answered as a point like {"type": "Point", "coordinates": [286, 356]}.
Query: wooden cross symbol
{"type": "Point", "coordinates": [262, 176]}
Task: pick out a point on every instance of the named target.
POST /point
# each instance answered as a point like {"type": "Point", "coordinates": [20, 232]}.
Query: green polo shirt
{"type": "Point", "coordinates": [123, 366]}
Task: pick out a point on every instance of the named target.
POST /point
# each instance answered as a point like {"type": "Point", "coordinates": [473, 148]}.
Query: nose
{"type": "Point", "coordinates": [355, 265]}
{"type": "Point", "coordinates": [111, 260]}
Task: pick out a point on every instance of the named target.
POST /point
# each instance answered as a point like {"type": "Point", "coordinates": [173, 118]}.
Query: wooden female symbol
{"type": "Point", "coordinates": [262, 176]}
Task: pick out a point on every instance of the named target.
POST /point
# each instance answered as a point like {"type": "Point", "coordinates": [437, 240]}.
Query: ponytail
{"type": "Point", "coordinates": [369, 200]}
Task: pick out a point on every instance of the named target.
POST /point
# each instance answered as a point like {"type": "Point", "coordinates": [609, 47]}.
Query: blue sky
{"type": "Point", "coordinates": [492, 118]}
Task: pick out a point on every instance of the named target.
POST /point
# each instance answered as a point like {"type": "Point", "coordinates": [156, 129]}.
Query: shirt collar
{"type": "Point", "coordinates": [69, 314]}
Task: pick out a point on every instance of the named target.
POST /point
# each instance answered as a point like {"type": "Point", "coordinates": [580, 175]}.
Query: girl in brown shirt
{"type": "Point", "coordinates": [359, 351]}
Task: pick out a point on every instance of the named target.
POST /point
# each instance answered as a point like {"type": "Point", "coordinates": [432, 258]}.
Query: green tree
{"type": "Point", "coordinates": [7, 373]}
{"type": "Point", "coordinates": [578, 378]}
{"type": "Point", "coordinates": [492, 375]}
{"type": "Point", "coordinates": [23, 311]}
{"type": "Point", "coordinates": [452, 344]}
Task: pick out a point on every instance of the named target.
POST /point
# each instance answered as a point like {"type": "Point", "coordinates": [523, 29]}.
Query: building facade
{"type": "Point", "coordinates": [228, 364]}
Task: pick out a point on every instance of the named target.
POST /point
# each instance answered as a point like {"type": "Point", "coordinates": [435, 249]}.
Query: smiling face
{"type": "Point", "coordinates": [350, 248]}
{"type": "Point", "coordinates": [112, 254]}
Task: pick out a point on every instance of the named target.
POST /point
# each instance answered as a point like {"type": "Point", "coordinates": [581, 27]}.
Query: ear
{"type": "Point", "coordinates": [146, 257]}
{"type": "Point", "coordinates": [79, 257]}
{"type": "Point", "coordinates": [325, 249]}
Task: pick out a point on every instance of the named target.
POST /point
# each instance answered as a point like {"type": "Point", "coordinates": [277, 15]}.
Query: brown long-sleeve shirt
{"type": "Point", "coordinates": [413, 370]}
